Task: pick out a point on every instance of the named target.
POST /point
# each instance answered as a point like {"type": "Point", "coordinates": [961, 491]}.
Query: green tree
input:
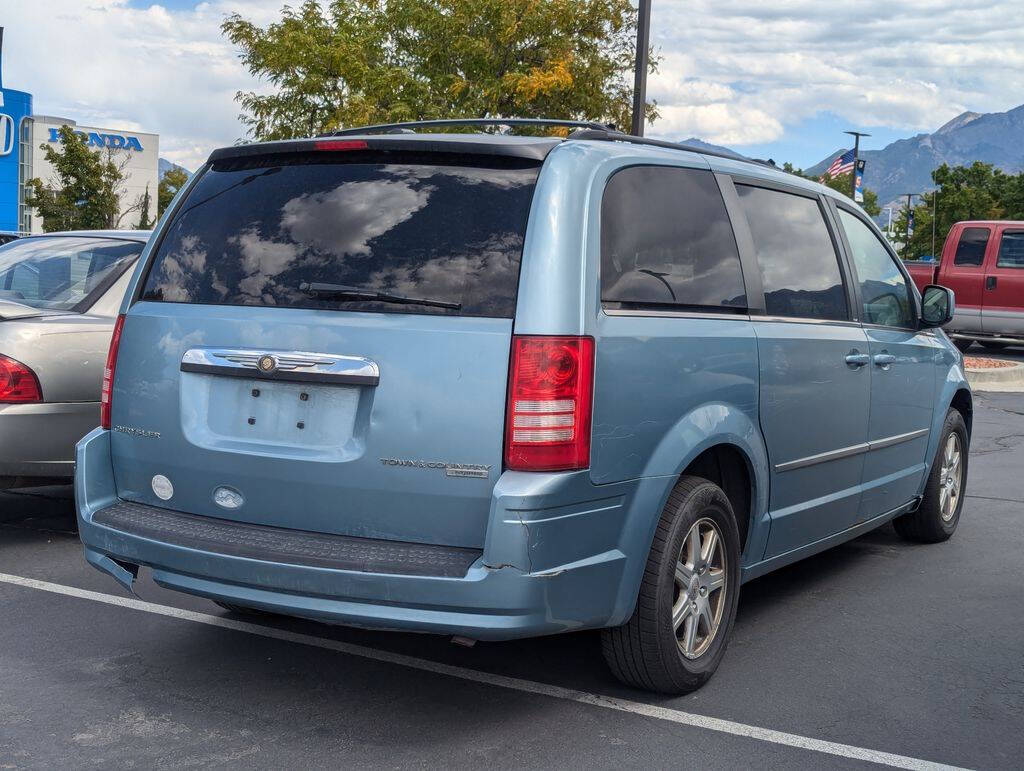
{"type": "Point", "coordinates": [144, 221]}
{"type": "Point", "coordinates": [356, 62]}
{"type": "Point", "coordinates": [169, 185]}
{"type": "Point", "coordinates": [978, 191]}
{"type": "Point", "coordinates": [84, 193]}
{"type": "Point", "coordinates": [842, 184]}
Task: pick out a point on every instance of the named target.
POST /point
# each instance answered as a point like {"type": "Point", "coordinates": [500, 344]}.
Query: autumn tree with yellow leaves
{"type": "Point", "coordinates": [357, 62]}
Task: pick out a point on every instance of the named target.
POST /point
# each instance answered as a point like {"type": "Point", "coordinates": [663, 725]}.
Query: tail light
{"type": "Point", "coordinates": [18, 384]}
{"type": "Point", "coordinates": [551, 383]}
{"type": "Point", "coordinates": [107, 392]}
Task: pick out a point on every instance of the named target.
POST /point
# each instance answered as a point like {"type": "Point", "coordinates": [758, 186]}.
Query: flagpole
{"type": "Point", "coordinates": [856, 156]}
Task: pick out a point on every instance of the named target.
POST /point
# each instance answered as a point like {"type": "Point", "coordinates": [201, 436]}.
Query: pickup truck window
{"type": "Point", "coordinates": [970, 252]}
{"type": "Point", "coordinates": [883, 288]}
{"type": "Point", "coordinates": [1011, 250]}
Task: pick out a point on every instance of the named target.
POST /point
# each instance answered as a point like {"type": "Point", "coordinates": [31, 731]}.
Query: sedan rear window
{"type": "Point", "coordinates": [62, 272]}
{"type": "Point", "coordinates": [396, 233]}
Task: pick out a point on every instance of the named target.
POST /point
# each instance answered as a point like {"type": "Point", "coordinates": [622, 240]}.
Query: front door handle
{"type": "Point", "coordinates": [856, 359]}
{"type": "Point", "coordinates": [883, 360]}
{"type": "Point", "coordinates": [990, 282]}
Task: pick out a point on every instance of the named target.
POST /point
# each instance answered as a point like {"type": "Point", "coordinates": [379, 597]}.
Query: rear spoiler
{"type": "Point", "coordinates": [530, 148]}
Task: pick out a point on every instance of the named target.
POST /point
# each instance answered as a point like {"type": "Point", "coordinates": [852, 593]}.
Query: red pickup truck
{"type": "Point", "coordinates": [983, 263]}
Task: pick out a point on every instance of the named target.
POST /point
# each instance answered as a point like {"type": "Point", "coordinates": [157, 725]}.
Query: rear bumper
{"type": "Point", "coordinates": [560, 554]}
{"type": "Point", "coordinates": [38, 440]}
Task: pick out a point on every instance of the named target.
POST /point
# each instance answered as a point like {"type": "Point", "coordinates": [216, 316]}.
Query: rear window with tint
{"type": "Point", "coordinates": [427, 227]}
{"type": "Point", "coordinates": [971, 249]}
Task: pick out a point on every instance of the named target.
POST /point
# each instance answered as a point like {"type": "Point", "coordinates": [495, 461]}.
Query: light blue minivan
{"type": "Point", "coordinates": [501, 386]}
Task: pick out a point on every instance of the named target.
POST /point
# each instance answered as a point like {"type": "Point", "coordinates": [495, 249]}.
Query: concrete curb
{"type": "Point", "coordinates": [997, 379]}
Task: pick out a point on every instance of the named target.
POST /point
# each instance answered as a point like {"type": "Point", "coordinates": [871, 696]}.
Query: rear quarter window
{"type": "Point", "coordinates": [252, 232]}
{"type": "Point", "coordinates": [666, 240]}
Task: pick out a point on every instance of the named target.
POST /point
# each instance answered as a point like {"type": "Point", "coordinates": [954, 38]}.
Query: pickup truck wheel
{"type": "Point", "coordinates": [939, 513]}
{"type": "Point", "coordinates": [685, 610]}
{"type": "Point", "coordinates": [963, 345]}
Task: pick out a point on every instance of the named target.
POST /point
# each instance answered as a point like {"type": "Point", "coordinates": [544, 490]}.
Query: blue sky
{"type": "Point", "coordinates": [805, 143]}
{"type": "Point", "coordinates": [780, 79]}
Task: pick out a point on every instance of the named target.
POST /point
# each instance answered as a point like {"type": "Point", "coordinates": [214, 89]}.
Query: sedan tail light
{"type": "Point", "coordinates": [551, 382]}
{"type": "Point", "coordinates": [18, 383]}
{"type": "Point", "coordinates": [107, 392]}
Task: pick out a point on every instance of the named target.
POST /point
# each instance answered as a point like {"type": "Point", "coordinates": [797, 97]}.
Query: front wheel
{"type": "Point", "coordinates": [685, 610]}
{"type": "Point", "coordinates": [939, 513]}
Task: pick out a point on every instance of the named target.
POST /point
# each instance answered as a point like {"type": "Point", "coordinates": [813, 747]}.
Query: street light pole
{"type": "Point", "coordinates": [643, 44]}
{"type": "Point", "coordinates": [856, 156]}
{"type": "Point", "coordinates": [906, 244]}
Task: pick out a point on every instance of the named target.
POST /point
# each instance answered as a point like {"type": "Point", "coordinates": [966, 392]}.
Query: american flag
{"type": "Point", "coordinates": [841, 165]}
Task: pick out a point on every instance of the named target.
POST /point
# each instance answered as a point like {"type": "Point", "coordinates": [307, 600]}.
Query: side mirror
{"type": "Point", "coordinates": [937, 306]}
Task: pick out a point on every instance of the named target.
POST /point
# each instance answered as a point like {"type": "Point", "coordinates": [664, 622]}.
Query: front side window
{"type": "Point", "coordinates": [799, 265]}
{"type": "Point", "coordinates": [666, 240]}
{"type": "Point", "coordinates": [883, 289]}
{"type": "Point", "coordinates": [59, 272]}
{"type": "Point", "coordinates": [970, 252]}
{"type": "Point", "coordinates": [446, 231]}
{"type": "Point", "coordinates": [1011, 250]}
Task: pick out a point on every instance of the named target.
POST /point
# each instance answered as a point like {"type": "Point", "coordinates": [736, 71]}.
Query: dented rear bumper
{"type": "Point", "coordinates": [560, 554]}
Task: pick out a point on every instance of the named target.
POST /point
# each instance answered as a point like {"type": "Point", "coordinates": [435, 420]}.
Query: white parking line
{"type": "Point", "coordinates": [476, 676]}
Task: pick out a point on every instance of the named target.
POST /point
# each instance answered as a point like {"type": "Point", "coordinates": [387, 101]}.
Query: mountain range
{"type": "Point", "coordinates": [164, 165]}
{"type": "Point", "coordinates": [906, 165]}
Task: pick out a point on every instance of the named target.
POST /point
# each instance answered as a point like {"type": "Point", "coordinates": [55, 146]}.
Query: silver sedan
{"type": "Point", "coordinates": [59, 297]}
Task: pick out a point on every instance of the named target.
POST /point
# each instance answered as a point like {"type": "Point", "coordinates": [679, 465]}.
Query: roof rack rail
{"type": "Point", "coordinates": [408, 126]}
{"type": "Point", "coordinates": [618, 136]}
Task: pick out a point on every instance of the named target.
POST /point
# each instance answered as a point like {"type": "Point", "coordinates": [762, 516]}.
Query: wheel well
{"type": "Point", "coordinates": [727, 467]}
{"type": "Point", "coordinates": [962, 403]}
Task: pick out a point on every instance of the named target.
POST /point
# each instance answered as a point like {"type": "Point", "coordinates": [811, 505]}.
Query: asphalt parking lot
{"type": "Point", "coordinates": [874, 652]}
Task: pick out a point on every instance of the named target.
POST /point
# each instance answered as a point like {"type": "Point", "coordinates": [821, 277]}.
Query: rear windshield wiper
{"type": "Point", "coordinates": [342, 292]}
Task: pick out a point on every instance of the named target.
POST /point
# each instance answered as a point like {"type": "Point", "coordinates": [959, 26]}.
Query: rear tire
{"type": "Point", "coordinates": [686, 607]}
{"type": "Point", "coordinates": [939, 513]}
{"type": "Point", "coordinates": [962, 345]}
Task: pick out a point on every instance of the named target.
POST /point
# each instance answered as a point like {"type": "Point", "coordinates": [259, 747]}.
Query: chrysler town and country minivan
{"type": "Point", "coordinates": [500, 386]}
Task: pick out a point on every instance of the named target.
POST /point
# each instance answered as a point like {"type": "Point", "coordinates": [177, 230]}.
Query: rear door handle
{"type": "Point", "coordinates": [990, 282]}
{"type": "Point", "coordinates": [883, 360]}
{"type": "Point", "coordinates": [856, 359]}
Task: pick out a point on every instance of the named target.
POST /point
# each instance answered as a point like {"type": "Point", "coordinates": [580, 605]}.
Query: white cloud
{"type": "Point", "coordinates": [734, 71]}
{"type": "Point", "coordinates": [149, 69]}
{"type": "Point", "coordinates": [740, 71]}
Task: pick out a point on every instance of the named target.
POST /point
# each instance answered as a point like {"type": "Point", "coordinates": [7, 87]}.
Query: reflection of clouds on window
{"type": "Point", "coordinates": [262, 260]}
{"type": "Point", "coordinates": [180, 269]}
{"type": "Point", "coordinates": [444, 233]}
{"type": "Point", "coordinates": [447, 275]}
{"type": "Point", "coordinates": [471, 175]}
{"type": "Point", "coordinates": [345, 219]}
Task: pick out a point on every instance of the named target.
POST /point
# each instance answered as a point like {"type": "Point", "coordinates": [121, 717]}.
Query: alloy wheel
{"type": "Point", "coordinates": [950, 477]}
{"type": "Point", "coordinates": [700, 584]}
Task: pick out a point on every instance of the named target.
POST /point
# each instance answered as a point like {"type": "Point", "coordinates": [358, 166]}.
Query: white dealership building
{"type": "Point", "coordinates": [135, 152]}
